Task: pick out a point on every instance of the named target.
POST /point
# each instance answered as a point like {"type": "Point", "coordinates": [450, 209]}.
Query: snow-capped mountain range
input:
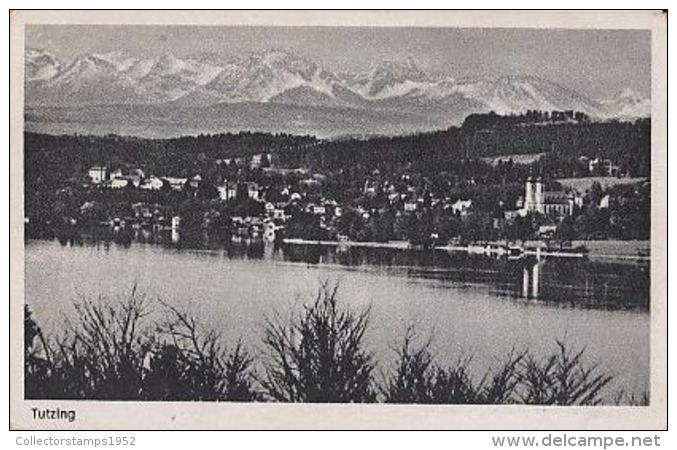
{"type": "Point", "coordinates": [282, 78]}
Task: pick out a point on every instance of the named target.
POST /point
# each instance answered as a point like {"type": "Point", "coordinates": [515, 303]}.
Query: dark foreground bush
{"type": "Point", "coordinates": [561, 379]}
{"type": "Point", "coordinates": [418, 379]}
{"type": "Point", "coordinates": [99, 357]}
{"type": "Point", "coordinates": [319, 356]}
{"type": "Point", "coordinates": [114, 351]}
{"type": "Point", "coordinates": [191, 364]}
{"type": "Point", "coordinates": [558, 379]}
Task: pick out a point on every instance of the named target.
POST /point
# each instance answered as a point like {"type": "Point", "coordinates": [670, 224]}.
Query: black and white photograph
{"type": "Point", "coordinates": [225, 215]}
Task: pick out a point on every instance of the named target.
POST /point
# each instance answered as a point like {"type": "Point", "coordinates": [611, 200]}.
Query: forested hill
{"type": "Point", "coordinates": [568, 134]}
{"type": "Point", "coordinates": [68, 156]}
{"type": "Point", "coordinates": [627, 144]}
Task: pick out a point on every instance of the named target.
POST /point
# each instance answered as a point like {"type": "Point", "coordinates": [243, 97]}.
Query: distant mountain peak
{"type": "Point", "coordinates": [33, 52]}
{"type": "Point", "coordinates": [119, 59]}
{"type": "Point", "coordinates": [628, 104]}
{"type": "Point", "coordinates": [627, 94]}
{"type": "Point", "coordinates": [406, 70]}
{"type": "Point", "coordinates": [407, 65]}
{"type": "Point", "coordinates": [388, 78]}
{"type": "Point", "coordinates": [276, 55]}
{"type": "Point", "coordinates": [87, 68]}
{"type": "Point", "coordinates": [281, 76]}
{"type": "Point", "coordinates": [40, 64]}
{"type": "Point", "coordinates": [284, 60]}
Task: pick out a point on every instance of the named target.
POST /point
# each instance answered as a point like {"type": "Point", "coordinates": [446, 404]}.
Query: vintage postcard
{"type": "Point", "coordinates": [338, 220]}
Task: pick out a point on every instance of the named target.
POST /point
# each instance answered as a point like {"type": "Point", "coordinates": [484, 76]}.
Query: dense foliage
{"type": "Point", "coordinates": [435, 168]}
{"type": "Point", "coordinates": [114, 351]}
{"type": "Point", "coordinates": [55, 158]}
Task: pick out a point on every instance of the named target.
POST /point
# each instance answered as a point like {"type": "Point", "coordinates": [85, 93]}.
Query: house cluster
{"type": "Point", "coordinates": [600, 166]}
{"type": "Point", "coordinates": [302, 193]}
{"type": "Point", "coordinates": [154, 216]}
{"type": "Point", "coordinates": [230, 190]}
{"type": "Point", "coordinates": [275, 213]}
{"type": "Point", "coordinates": [256, 161]}
{"type": "Point", "coordinates": [409, 198]}
{"type": "Point", "coordinates": [119, 179]}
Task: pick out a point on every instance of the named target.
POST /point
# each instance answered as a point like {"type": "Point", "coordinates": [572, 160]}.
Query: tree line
{"type": "Point", "coordinates": [628, 144]}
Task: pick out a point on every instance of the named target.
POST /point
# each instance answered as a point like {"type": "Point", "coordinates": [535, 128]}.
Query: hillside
{"type": "Point", "coordinates": [627, 144]}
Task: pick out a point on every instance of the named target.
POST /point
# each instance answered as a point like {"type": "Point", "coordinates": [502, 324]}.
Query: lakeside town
{"type": "Point", "coordinates": [487, 204]}
{"type": "Point", "coordinates": [436, 214]}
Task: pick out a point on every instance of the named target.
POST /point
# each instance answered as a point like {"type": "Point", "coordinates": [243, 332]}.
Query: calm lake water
{"type": "Point", "coordinates": [471, 305]}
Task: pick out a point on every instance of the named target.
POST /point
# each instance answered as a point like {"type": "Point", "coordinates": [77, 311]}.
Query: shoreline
{"type": "Point", "coordinates": [614, 250]}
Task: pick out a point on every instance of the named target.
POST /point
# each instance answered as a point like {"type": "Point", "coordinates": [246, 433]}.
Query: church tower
{"type": "Point", "coordinates": [534, 198]}
{"type": "Point", "coordinates": [529, 198]}
{"type": "Point", "coordinates": [538, 196]}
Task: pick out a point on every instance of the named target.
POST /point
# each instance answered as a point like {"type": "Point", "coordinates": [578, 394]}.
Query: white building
{"type": "Point", "coordinates": [279, 214]}
{"type": "Point", "coordinates": [602, 166]}
{"type": "Point", "coordinates": [547, 230]}
{"type": "Point", "coordinates": [461, 207]}
{"type": "Point", "coordinates": [253, 191]}
{"type": "Point", "coordinates": [227, 190]}
{"type": "Point", "coordinates": [196, 181]}
{"type": "Point", "coordinates": [152, 184]}
{"type": "Point", "coordinates": [119, 183]}
{"type": "Point", "coordinates": [410, 206]}
{"type": "Point", "coordinates": [536, 200]}
{"type": "Point", "coordinates": [175, 183]}
{"type": "Point", "coordinates": [257, 160]}
{"type": "Point", "coordinates": [98, 174]}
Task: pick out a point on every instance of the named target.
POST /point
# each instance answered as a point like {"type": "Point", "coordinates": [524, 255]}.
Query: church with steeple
{"type": "Point", "coordinates": [538, 200]}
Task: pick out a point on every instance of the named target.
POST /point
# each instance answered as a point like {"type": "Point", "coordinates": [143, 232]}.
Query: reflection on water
{"type": "Point", "coordinates": [569, 282]}
{"type": "Point", "coordinates": [530, 281]}
{"type": "Point", "coordinates": [563, 281]}
{"type": "Point", "coordinates": [471, 304]}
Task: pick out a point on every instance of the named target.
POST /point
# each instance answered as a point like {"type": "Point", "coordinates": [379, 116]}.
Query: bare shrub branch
{"type": "Point", "coordinates": [319, 355]}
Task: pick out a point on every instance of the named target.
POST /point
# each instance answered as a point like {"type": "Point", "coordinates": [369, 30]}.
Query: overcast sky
{"type": "Point", "coordinates": [597, 63]}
